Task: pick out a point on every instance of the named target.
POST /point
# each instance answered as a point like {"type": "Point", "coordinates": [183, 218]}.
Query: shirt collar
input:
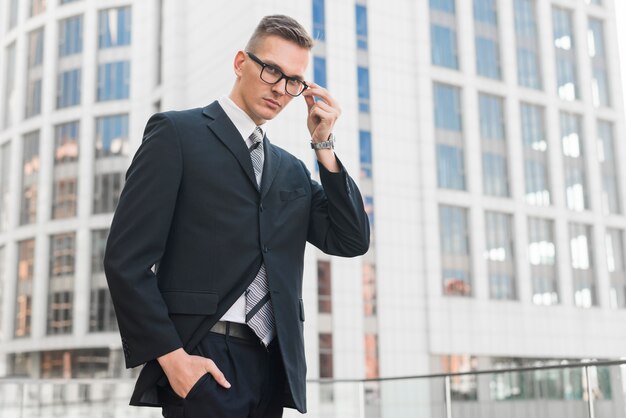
{"type": "Point", "coordinates": [244, 124]}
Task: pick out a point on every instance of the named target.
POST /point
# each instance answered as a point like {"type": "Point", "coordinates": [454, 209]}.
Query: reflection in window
{"type": "Point", "coordinates": [107, 189]}
{"type": "Point", "coordinates": [455, 251]}
{"type": "Point", "coordinates": [319, 20]}
{"type": "Point", "coordinates": [363, 76]}
{"type": "Point", "coordinates": [34, 73]}
{"type": "Point", "coordinates": [361, 26]}
{"type": "Point", "coordinates": [369, 289]}
{"type": "Point", "coordinates": [565, 53]}
{"type": "Point", "coordinates": [5, 162]}
{"type": "Point", "coordinates": [61, 285]}
{"type": "Point", "coordinates": [600, 90]}
{"type": "Point", "coordinates": [68, 93]}
{"type": "Point", "coordinates": [464, 387]}
{"type": "Point", "coordinates": [111, 136]}
{"type": "Point", "coordinates": [90, 363]}
{"type": "Point", "coordinates": [574, 162]}
{"type": "Point", "coordinates": [616, 265]}
{"type": "Point", "coordinates": [542, 259]}
{"type": "Point", "coordinates": [24, 293]}
{"type": "Point", "coordinates": [113, 81]}
{"type": "Point", "coordinates": [371, 356]}
{"type": "Point", "coordinates": [326, 355]}
{"type": "Point", "coordinates": [494, 147]}
{"type": "Point", "coordinates": [324, 289]}
{"type": "Point", "coordinates": [319, 71]}
{"type": "Point", "coordinates": [365, 148]}
{"type": "Point", "coordinates": [9, 87]}
{"type": "Point", "coordinates": [449, 136]}
{"type": "Point", "coordinates": [535, 155]}
{"type": "Point", "coordinates": [71, 36]}
{"type": "Point", "coordinates": [30, 178]}
{"type": "Point", "coordinates": [610, 179]}
{"type": "Point", "coordinates": [528, 68]}
{"type": "Point", "coordinates": [499, 255]}
{"type": "Point", "coordinates": [37, 7]}
{"type": "Point", "coordinates": [65, 171]}
{"type": "Point", "coordinates": [114, 27]}
{"type": "Point", "coordinates": [101, 312]}
{"type": "Point", "coordinates": [443, 33]}
{"type": "Point", "coordinates": [583, 276]}
{"type": "Point", "coordinates": [487, 39]}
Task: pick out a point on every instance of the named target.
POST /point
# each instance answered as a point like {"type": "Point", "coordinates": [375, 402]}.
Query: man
{"type": "Point", "coordinates": [205, 254]}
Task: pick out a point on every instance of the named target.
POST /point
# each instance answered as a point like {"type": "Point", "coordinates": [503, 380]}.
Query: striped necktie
{"type": "Point", "coordinates": [259, 310]}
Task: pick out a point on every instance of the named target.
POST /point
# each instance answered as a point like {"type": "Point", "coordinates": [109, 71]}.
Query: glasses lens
{"type": "Point", "coordinates": [270, 74]}
{"type": "Point", "coordinates": [294, 87]}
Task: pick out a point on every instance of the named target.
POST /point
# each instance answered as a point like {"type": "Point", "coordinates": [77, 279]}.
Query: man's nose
{"type": "Point", "coordinates": [279, 88]}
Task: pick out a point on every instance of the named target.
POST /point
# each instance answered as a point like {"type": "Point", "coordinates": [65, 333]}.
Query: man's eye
{"type": "Point", "coordinates": [294, 83]}
{"type": "Point", "coordinates": [272, 70]}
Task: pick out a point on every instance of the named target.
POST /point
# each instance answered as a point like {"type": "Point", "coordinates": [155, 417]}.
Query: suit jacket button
{"type": "Point", "coordinates": [265, 249]}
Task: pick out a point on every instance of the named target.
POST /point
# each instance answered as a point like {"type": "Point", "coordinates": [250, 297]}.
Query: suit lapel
{"type": "Point", "coordinates": [270, 166]}
{"type": "Point", "coordinates": [226, 132]}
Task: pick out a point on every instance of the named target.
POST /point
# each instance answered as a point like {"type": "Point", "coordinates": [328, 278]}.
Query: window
{"type": "Point", "coordinates": [34, 73]}
{"type": "Point", "coordinates": [365, 148]}
{"type": "Point", "coordinates": [583, 277]}
{"type": "Point", "coordinates": [361, 26]}
{"type": "Point", "coordinates": [30, 178]}
{"type": "Point", "coordinates": [37, 7]}
{"type": "Point", "coordinates": [111, 136]}
{"type": "Point", "coordinates": [535, 144]}
{"type": "Point", "coordinates": [363, 76]}
{"type": "Point", "coordinates": [494, 146]}
{"type": "Point", "coordinates": [9, 87]}
{"type": "Point", "coordinates": [324, 288]}
{"type": "Point", "coordinates": [68, 93]}
{"type": "Point", "coordinates": [61, 285]}
{"type": "Point", "coordinates": [608, 167]}
{"type": "Point", "coordinates": [107, 189]}
{"type": "Point", "coordinates": [616, 265]}
{"type": "Point", "coordinates": [319, 71]}
{"type": "Point", "coordinates": [25, 273]}
{"type": "Point", "coordinates": [574, 162]}
{"type": "Point", "coordinates": [113, 81]}
{"type": "Point", "coordinates": [528, 68]}
{"type": "Point", "coordinates": [5, 169]}
{"type": "Point", "coordinates": [114, 27]}
{"type": "Point", "coordinates": [487, 39]}
{"type": "Point", "coordinates": [371, 356]}
{"type": "Point", "coordinates": [71, 36]}
{"type": "Point", "coordinates": [319, 20]}
{"type": "Point", "coordinates": [600, 89]}
{"type": "Point", "coordinates": [101, 312]}
{"type": "Point", "coordinates": [326, 355]}
{"type": "Point", "coordinates": [449, 137]}
{"type": "Point", "coordinates": [565, 53]}
{"type": "Point", "coordinates": [444, 50]}
{"type": "Point", "coordinates": [65, 171]}
{"type": "Point", "coordinates": [462, 387]}
{"type": "Point", "coordinates": [370, 297]}
{"type": "Point", "coordinates": [455, 251]}
{"type": "Point", "coordinates": [13, 9]}
{"type": "Point", "coordinates": [542, 259]}
{"type": "Point", "coordinates": [499, 255]}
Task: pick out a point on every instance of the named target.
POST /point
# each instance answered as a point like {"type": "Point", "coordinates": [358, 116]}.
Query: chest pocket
{"type": "Point", "coordinates": [292, 194]}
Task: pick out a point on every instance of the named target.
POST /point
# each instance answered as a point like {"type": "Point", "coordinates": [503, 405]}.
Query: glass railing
{"type": "Point", "coordinates": [581, 390]}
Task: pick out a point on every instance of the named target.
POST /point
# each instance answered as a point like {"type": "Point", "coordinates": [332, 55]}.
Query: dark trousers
{"type": "Point", "coordinates": [256, 375]}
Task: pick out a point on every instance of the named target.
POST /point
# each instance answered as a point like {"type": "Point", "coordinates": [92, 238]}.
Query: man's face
{"type": "Point", "coordinates": [260, 100]}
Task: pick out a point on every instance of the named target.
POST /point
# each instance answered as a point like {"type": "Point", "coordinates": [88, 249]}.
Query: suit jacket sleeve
{"type": "Point", "coordinates": [137, 241]}
{"type": "Point", "coordinates": [338, 224]}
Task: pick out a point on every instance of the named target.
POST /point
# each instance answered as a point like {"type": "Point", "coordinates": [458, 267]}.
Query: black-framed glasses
{"type": "Point", "coordinates": [272, 75]}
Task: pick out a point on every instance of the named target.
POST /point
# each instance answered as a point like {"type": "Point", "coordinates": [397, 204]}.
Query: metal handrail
{"type": "Point", "coordinates": [476, 372]}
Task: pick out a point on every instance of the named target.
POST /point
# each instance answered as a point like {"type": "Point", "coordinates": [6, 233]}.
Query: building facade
{"type": "Point", "coordinates": [484, 135]}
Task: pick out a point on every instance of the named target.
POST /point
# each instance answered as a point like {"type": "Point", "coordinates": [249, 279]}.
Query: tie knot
{"type": "Point", "coordinates": [256, 136]}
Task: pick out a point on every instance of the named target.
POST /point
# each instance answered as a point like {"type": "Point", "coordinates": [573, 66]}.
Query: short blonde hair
{"type": "Point", "coordinates": [283, 26]}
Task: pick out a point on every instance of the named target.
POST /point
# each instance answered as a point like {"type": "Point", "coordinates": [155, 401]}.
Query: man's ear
{"type": "Point", "coordinates": [238, 63]}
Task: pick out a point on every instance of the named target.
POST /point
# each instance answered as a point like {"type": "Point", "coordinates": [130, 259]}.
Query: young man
{"type": "Point", "coordinates": [223, 215]}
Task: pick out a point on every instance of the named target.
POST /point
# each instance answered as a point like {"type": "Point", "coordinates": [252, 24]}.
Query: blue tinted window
{"type": "Point", "coordinates": [68, 93]}
{"type": "Point", "coordinates": [443, 5]}
{"type": "Point", "coordinates": [113, 81]}
{"type": "Point", "coordinates": [495, 175]}
{"type": "Point", "coordinates": [485, 11]}
{"type": "Point", "coordinates": [364, 89]}
{"type": "Point", "coordinates": [450, 167]}
{"type": "Point", "coordinates": [319, 21]}
{"type": "Point", "coordinates": [114, 27]}
{"type": "Point", "coordinates": [319, 71]}
{"type": "Point", "coordinates": [361, 26]}
{"type": "Point", "coordinates": [71, 36]}
{"type": "Point", "coordinates": [111, 136]}
{"type": "Point", "coordinates": [447, 108]}
{"type": "Point", "coordinates": [443, 46]}
{"type": "Point", "coordinates": [365, 145]}
{"type": "Point", "coordinates": [487, 58]}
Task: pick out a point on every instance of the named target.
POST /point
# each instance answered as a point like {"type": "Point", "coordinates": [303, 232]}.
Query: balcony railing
{"type": "Point", "coordinates": [581, 390]}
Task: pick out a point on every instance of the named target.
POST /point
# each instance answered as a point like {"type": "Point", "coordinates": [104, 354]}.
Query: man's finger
{"type": "Point", "coordinates": [310, 102]}
{"type": "Point", "coordinates": [217, 374]}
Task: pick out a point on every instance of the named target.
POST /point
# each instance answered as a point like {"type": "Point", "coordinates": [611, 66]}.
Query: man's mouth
{"type": "Point", "coordinates": [272, 103]}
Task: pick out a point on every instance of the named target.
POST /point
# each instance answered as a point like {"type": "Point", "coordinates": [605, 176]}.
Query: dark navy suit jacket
{"type": "Point", "coordinates": [191, 208]}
